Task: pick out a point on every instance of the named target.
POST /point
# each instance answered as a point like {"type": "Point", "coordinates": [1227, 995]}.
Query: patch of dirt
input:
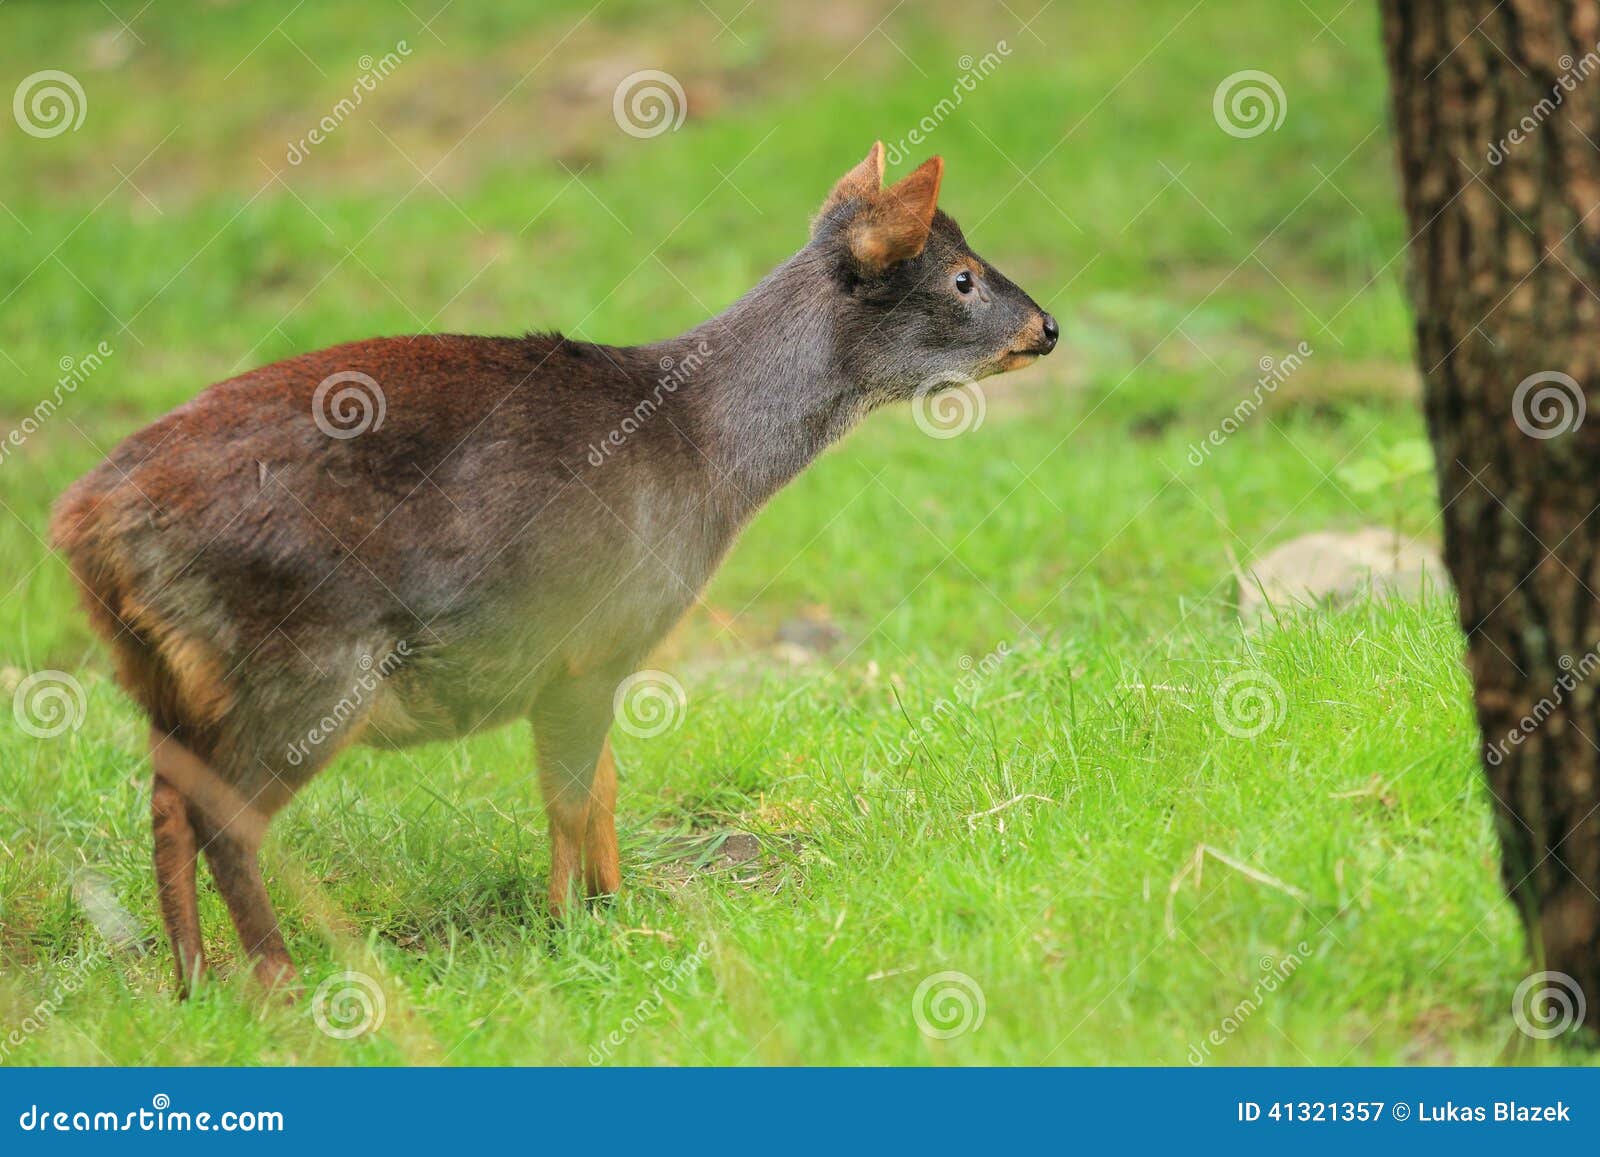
{"type": "Point", "coordinates": [766, 862]}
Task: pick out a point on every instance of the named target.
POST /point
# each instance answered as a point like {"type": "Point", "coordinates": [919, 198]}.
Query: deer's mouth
{"type": "Point", "coordinates": [1016, 359]}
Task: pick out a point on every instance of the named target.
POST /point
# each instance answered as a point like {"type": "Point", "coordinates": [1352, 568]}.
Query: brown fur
{"type": "Point", "coordinates": [895, 227]}
{"type": "Point", "coordinates": [860, 183]}
{"type": "Point", "coordinates": [602, 866]}
{"type": "Point", "coordinates": [176, 848]}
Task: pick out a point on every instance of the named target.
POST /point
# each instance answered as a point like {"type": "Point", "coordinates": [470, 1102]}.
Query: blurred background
{"type": "Point", "coordinates": [987, 694]}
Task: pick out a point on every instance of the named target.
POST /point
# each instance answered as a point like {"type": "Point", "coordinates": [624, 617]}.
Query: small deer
{"type": "Point", "coordinates": [403, 540]}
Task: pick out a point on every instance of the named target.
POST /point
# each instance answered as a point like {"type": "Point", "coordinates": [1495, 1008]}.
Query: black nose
{"type": "Point", "coordinates": [1052, 331]}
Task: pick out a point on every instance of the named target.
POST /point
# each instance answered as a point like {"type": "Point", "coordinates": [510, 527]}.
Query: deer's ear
{"type": "Point", "coordinates": [864, 181]}
{"type": "Point", "coordinates": [895, 226]}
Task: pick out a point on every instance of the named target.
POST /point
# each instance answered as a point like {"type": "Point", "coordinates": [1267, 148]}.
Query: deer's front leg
{"type": "Point", "coordinates": [579, 782]}
{"type": "Point", "coordinates": [602, 866]}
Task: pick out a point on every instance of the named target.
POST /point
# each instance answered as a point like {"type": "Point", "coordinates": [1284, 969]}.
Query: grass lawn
{"type": "Point", "coordinates": [1039, 799]}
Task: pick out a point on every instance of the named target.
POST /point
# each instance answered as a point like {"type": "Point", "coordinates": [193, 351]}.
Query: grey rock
{"type": "Point", "coordinates": [1335, 569]}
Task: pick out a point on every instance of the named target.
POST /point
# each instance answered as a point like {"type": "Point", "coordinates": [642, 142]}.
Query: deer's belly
{"type": "Point", "coordinates": [488, 677]}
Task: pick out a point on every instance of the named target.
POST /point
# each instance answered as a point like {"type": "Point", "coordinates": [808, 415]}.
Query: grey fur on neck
{"type": "Point", "coordinates": [770, 395]}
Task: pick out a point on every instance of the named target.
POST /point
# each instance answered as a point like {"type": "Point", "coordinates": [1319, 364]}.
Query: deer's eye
{"type": "Point", "coordinates": [963, 282]}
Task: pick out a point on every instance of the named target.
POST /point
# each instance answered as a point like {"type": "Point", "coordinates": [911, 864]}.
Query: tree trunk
{"type": "Point", "coordinates": [1497, 113]}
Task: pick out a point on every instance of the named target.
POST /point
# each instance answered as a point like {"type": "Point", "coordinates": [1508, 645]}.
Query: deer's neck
{"type": "Point", "coordinates": [766, 397]}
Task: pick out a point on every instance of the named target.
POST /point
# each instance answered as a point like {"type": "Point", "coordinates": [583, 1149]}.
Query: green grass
{"type": "Point", "coordinates": [1014, 766]}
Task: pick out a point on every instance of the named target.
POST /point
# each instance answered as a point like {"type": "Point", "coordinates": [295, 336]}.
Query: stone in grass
{"type": "Point", "coordinates": [739, 848]}
{"type": "Point", "coordinates": [1333, 569]}
{"type": "Point", "coordinates": [810, 633]}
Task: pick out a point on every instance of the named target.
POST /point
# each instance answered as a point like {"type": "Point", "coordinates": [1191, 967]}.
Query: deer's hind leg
{"type": "Point", "coordinates": [176, 850]}
{"type": "Point", "coordinates": [228, 822]}
{"type": "Point", "coordinates": [235, 866]}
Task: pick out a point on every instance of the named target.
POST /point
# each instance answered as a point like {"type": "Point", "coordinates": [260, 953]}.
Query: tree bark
{"type": "Point", "coordinates": [1497, 114]}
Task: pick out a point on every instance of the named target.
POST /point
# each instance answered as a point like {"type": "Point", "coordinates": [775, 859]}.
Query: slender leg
{"type": "Point", "coordinates": [570, 721]}
{"type": "Point", "coordinates": [175, 854]}
{"type": "Point", "coordinates": [237, 872]}
{"type": "Point", "coordinates": [229, 831]}
{"type": "Point", "coordinates": [602, 867]}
